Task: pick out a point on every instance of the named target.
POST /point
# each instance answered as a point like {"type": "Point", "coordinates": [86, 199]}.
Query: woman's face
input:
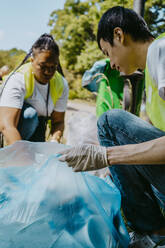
{"type": "Point", "coordinates": [44, 65]}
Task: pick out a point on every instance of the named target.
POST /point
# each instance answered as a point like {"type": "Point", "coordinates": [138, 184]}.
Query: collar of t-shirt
{"type": "Point", "coordinates": [43, 89]}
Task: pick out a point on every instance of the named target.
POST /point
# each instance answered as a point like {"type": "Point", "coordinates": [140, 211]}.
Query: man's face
{"type": "Point", "coordinates": [121, 54]}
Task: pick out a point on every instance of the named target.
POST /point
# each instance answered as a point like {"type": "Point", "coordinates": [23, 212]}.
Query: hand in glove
{"type": "Point", "coordinates": [85, 157]}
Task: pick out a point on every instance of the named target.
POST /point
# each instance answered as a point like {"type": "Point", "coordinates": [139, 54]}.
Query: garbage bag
{"type": "Point", "coordinates": [78, 133]}
{"type": "Point", "coordinates": [89, 81]}
{"type": "Point", "coordinates": [43, 204]}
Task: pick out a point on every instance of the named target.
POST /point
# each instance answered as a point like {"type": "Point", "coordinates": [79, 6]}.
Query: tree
{"type": "Point", "coordinates": [11, 57]}
{"type": "Point", "coordinates": [155, 16]}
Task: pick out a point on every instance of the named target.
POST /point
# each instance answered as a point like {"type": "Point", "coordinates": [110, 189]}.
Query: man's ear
{"type": "Point", "coordinates": [118, 35]}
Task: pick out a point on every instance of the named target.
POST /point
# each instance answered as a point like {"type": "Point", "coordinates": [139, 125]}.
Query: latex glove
{"type": "Point", "coordinates": [85, 157]}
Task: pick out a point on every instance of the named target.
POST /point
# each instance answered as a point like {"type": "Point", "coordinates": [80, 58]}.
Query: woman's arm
{"type": "Point", "coordinates": [57, 125]}
{"type": "Point", "coordinates": [9, 118]}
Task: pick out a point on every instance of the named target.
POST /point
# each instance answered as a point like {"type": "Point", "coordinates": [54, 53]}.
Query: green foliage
{"type": "Point", "coordinates": [88, 55]}
{"type": "Point", "coordinates": [76, 91]}
{"type": "Point", "coordinates": [11, 57]}
{"type": "Point", "coordinates": [75, 28]}
{"type": "Point", "coordinates": [155, 16]}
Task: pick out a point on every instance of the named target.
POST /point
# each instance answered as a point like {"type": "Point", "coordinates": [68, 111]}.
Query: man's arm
{"type": "Point", "coordinates": [150, 152]}
{"type": "Point", "coordinates": [88, 157]}
{"type": "Point", "coordinates": [57, 125]}
{"type": "Point", "coordinates": [9, 118]}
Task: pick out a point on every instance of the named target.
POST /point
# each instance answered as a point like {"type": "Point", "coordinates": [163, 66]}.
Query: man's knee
{"type": "Point", "coordinates": [112, 117]}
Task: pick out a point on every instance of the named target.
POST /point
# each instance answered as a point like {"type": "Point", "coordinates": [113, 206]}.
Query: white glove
{"type": "Point", "coordinates": [85, 157]}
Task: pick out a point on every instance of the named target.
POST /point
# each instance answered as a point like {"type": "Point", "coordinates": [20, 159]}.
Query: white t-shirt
{"type": "Point", "coordinates": [156, 64]}
{"type": "Point", "coordinates": [15, 91]}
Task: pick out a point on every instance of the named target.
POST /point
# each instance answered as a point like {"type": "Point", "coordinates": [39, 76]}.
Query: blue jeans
{"type": "Point", "coordinates": [142, 186]}
{"type": "Point", "coordinates": [30, 126]}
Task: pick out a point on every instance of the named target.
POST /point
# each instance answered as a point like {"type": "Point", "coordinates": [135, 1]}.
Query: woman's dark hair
{"type": "Point", "coordinates": [128, 20]}
{"type": "Point", "coordinates": [45, 42]}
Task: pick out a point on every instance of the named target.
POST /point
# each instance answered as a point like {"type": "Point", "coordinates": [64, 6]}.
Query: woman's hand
{"type": "Point", "coordinates": [57, 126]}
{"type": "Point", "coordinates": [56, 137]}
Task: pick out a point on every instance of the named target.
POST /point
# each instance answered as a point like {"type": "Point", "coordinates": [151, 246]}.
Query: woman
{"type": "Point", "coordinates": [33, 93]}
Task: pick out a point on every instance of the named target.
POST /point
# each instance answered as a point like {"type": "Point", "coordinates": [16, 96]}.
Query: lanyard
{"type": "Point", "coordinates": [47, 101]}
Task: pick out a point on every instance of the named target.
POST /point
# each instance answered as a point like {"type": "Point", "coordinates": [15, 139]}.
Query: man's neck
{"type": "Point", "coordinates": [141, 53]}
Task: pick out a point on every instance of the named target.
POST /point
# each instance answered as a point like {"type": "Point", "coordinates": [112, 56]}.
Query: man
{"type": "Point", "coordinates": [133, 148]}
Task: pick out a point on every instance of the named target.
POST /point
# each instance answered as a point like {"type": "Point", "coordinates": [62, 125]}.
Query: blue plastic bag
{"type": "Point", "coordinates": [89, 81]}
{"type": "Point", "coordinates": [43, 204]}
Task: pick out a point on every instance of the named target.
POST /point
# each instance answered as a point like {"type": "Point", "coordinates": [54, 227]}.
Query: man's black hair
{"type": "Point", "coordinates": [128, 20]}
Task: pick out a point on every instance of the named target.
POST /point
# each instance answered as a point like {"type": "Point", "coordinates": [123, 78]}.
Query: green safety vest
{"type": "Point", "coordinates": [155, 105]}
{"type": "Point", "coordinates": [56, 83]}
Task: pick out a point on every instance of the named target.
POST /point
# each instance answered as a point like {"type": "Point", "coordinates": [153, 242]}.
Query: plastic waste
{"type": "Point", "coordinates": [43, 204]}
{"type": "Point", "coordinates": [88, 80]}
{"type": "Point", "coordinates": [82, 129]}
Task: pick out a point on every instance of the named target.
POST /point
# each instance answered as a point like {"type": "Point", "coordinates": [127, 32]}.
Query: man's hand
{"type": "Point", "coordinates": [85, 157]}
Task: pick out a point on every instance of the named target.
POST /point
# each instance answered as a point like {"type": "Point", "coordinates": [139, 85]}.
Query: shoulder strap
{"type": "Point", "coordinates": [56, 87]}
